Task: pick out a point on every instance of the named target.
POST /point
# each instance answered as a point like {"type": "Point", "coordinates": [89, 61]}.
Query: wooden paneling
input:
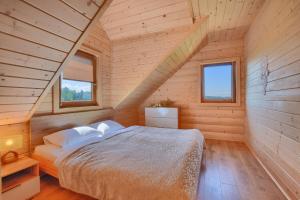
{"type": "Point", "coordinates": [219, 122]}
{"type": "Point", "coordinates": [127, 116]}
{"type": "Point", "coordinates": [228, 20]}
{"type": "Point", "coordinates": [36, 39]}
{"type": "Point", "coordinates": [126, 19]}
{"type": "Point", "coordinates": [97, 14]}
{"type": "Point", "coordinates": [17, 129]}
{"type": "Point", "coordinates": [272, 92]}
{"type": "Point", "coordinates": [133, 59]}
{"type": "Point", "coordinates": [98, 44]}
{"type": "Point", "coordinates": [155, 74]}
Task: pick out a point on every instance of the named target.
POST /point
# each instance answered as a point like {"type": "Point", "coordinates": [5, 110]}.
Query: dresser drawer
{"type": "Point", "coordinates": [161, 112]}
{"type": "Point", "coordinates": [162, 122]}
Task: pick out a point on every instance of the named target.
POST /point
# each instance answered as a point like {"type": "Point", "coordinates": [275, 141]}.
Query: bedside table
{"type": "Point", "coordinates": [20, 179]}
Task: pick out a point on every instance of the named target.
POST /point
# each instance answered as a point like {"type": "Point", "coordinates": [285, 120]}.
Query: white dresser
{"type": "Point", "coordinates": [161, 117]}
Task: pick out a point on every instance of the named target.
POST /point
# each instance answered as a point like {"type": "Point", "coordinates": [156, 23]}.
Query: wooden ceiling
{"type": "Point", "coordinates": [228, 19]}
{"type": "Point", "coordinates": [168, 66]}
{"type": "Point", "coordinates": [127, 18]}
{"type": "Point", "coordinates": [36, 39]}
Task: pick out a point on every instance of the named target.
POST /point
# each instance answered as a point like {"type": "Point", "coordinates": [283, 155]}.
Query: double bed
{"type": "Point", "coordinates": [126, 163]}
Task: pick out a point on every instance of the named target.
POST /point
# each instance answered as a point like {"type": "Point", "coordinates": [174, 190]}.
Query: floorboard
{"type": "Point", "coordinates": [229, 172]}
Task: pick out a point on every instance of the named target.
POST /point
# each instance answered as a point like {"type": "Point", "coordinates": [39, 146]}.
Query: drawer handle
{"type": "Point", "coordinates": [11, 188]}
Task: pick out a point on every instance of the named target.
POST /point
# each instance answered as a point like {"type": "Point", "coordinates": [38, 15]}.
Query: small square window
{"type": "Point", "coordinates": [218, 83]}
{"type": "Point", "coordinates": [78, 81]}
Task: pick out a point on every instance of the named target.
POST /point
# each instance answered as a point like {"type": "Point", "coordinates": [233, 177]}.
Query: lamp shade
{"type": "Point", "coordinates": [11, 142]}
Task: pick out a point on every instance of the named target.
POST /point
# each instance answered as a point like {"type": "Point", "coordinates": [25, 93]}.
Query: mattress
{"type": "Point", "coordinates": [48, 151]}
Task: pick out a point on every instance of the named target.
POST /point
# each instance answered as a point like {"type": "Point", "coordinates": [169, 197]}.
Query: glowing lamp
{"type": "Point", "coordinates": [7, 146]}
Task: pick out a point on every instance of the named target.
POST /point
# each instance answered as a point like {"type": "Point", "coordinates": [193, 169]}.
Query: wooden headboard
{"type": "Point", "coordinates": [45, 125]}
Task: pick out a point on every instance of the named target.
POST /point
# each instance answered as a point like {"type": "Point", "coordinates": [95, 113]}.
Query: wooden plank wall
{"type": "Point", "coordinates": [99, 44]}
{"type": "Point", "coordinates": [273, 91]}
{"type": "Point", "coordinates": [35, 39]}
{"type": "Point", "coordinates": [173, 61]}
{"type": "Point", "coordinates": [134, 58]}
{"type": "Point", "coordinates": [218, 122]}
{"type": "Point", "coordinates": [22, 129]}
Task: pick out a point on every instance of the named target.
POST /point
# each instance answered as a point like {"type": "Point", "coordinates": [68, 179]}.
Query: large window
{"type": "Point", "coordinates": [218, 83]}
{"type": "Point", "coordinates": [78, 81]}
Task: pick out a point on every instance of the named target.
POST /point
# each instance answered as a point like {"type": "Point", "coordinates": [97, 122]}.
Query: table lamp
{"type": "Point", "coordinates": [7, 146]}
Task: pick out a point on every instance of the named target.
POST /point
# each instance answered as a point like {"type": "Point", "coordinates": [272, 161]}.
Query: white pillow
{"type": "Point", "coordinates": [107, 126]}
{"type": "Point", "coordinates": [71, 136]}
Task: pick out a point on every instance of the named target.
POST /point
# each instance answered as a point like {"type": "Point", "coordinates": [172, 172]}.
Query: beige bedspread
{"type": "Point", "coordinates": [142, 163]}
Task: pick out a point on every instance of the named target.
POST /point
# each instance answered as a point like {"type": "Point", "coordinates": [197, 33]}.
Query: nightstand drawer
{"type": "Point", "coordinates": [23, 191]}
{"type": "Point", "coordinates": [31, 187]}
{"type": "Point", "coordinates": [12, 194]}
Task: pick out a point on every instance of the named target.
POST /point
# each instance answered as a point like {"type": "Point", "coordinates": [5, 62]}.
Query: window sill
{"type": "Point", "coordinates": [220, 104]}
{"type": "Point", "coordinates": [76, 108]}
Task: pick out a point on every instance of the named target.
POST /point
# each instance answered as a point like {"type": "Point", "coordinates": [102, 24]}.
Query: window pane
{"type": "Point", "coordinates": [76, 91]}
{"type": "Point", "coordinates": [218, 82]}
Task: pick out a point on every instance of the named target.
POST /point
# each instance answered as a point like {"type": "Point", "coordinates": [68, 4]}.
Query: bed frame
{"type": "Point", "coordinates": [46, 166]}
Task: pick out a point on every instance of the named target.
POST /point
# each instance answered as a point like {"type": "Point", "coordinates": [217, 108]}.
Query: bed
{"type": "Point", "coordinates": [129, 163]}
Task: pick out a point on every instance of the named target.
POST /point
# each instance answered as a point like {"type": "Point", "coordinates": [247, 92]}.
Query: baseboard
{"type": "Point", "coordinates": [223, 136]}
{"type": "Point", "coordinates": [268, 172]}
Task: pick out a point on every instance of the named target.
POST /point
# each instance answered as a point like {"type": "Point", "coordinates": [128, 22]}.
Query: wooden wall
{"type": "Point", "coordinates": [98, 43]}
{"type": "Point", "coordinates": [134, 58]}
{"type": "Point", "coordinates": [47, 121]}
{"type": "Point", "coordinates": [219, 122]}
{"type": "Point", "coordinates": [273, 91]}
{"type": "Point", "coordinates": [22, 129]}
{"type": "Point", "coordinates": [36, 37]}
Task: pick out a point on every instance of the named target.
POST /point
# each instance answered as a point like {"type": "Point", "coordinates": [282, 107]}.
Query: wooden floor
{"type": "Point", "coordinates": [229, 172]}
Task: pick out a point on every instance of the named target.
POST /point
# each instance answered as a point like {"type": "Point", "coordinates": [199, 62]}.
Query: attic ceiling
{"type": "Point", "coordinates": [37, 38]}
{"type": "Point", "coordinates": [228, 19]}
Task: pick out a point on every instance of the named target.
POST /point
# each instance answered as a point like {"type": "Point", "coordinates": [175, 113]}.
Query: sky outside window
{"type": "Point", "coordinates": [218, 81]}
{"type": "Point", "coordinates": [72, 90]}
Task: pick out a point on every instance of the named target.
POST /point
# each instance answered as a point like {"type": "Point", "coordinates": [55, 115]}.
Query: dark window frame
{"type": "Point", "coordinates": [233, 88]}
{"type": "Point", "coordinates": [93, 102]}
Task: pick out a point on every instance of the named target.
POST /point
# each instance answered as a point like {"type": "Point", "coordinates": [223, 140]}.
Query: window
{"type": "Point", "coordinates": [78, 81]}
{"type": "Point", "coordinates": [218, 83]}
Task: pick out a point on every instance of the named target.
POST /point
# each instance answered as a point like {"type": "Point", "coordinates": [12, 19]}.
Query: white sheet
{"type": "Point", "coordinates": [71, 148]}
{"type": "Point", "coordinates": [48, 151]}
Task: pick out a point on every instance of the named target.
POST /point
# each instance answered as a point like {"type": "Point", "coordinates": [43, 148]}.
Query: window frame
{"type": "Point", "coordinates": [93, 102]}
{"type": "Point", "coordinates": [236, 82]}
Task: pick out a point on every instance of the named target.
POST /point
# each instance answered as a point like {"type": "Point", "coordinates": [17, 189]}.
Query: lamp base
{"type": "Point", "coordinates": [9, 157]}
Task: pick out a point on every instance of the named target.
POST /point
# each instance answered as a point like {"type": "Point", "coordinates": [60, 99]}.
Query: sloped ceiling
{"type": "Point", "coordinates": [228, 19]}
{"type": "Point", "coordinates": [37, 38]}
{"type": "Point", "coordinates": [168, 66]}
